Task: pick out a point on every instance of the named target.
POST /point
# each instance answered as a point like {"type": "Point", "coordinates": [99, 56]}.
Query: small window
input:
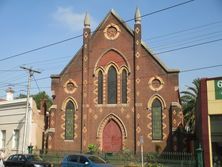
{"type": "Point", "coordinates": [157, 120]}
{"type": "Point", "coordinates": [73, 158]}
{"type": "Point", "coordinates": [112, 86]}
{"type": "Point", "coordinates": [2, 139]}
{"type": "Point", "coordinates": [69, 121]}
{"type": "Point", "coordinates": [124, 86]}
{"type": "Point", "coordinates": [100, 87]}
{"type": "Point", "coordinates": [15, 158]}
{"type": "Point", "coordinates": [15, 139]}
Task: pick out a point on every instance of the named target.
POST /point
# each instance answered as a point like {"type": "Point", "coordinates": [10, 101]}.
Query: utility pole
{"type": "Point", "coordinates": [31, 73]}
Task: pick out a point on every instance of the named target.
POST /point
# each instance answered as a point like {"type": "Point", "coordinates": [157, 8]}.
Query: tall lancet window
{"type": "Point", "coordinates": [112, 86]}
{"type": "Point", "coordinates": [100, 87]}
{"type": "Point", "coordinates": [69, 120]}
{"type": "Point", "coordinates": [124, 86]}
{"type": "Point", "coordinates": [157, 120]}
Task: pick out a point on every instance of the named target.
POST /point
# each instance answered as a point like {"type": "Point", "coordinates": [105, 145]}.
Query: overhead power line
{"type": "Point", "coordinates": [189, 46]}
{"type": "Point", "coordinates": [77, 36]}
{"type": "Point", "coordinates": [166, 51]}
{"type": "Point", "coordinates": [201, 68]}
{"type": "Point", "coordinates": [36, 83]}
{"type": "Point", "coordinates": [185, 30]}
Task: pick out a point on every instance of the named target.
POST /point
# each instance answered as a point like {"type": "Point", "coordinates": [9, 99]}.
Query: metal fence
{"type": "Point", "coordinates": [171, 159]}
{"type": "Point", "coordinates": [165, 159]}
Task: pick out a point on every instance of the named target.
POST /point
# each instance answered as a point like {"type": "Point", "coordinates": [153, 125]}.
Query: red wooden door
{"type": "Point", "coordinates": [112, 137]}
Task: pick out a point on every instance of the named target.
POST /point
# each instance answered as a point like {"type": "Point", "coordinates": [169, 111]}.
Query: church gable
{"type": "Point", "coordinates": [113, 28]}
{"type": "Point", "coordinates": [109, 83]}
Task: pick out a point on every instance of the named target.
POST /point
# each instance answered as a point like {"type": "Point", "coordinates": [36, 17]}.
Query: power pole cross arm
{"type": "Point", "coordinates": [31, 73]}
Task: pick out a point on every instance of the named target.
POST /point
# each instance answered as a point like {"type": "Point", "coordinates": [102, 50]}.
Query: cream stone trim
{"type": "Point", "coordinates": [105, 121]}
{"type": "Point", "coordinates": [66, 101]}
{"type": "Point", "coordinates": [151, 86]}
{"type": "Point", "coordinates": [54, 106]}
{"type": "Point", "coordinates": [115, 50]}
{"type": "Point", "coordinates": [153, 97]}
{"type": "Point", "coordinates": [114, 65]}
{"type": "Point", "coordinates": [176, 104]}
{"type": "Point", "coordinates": [116, 35]}
{"type": "Point", "coordinates": [65, 86]}
{"type": "Point", "coordinates": [124, 68]}
{"type": "Point", "coordinates": [99, 69]}
{"type": "Point", "coordinates": [210, 145]}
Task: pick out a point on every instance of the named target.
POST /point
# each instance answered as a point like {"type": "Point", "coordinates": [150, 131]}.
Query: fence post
{"type": "Point", "coordinates": [199, 158]}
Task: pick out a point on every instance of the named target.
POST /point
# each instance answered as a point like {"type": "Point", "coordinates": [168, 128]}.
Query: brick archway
{"type": "Point", "coordinates": [109, 122]}
{"type": "Point", "coordinates": [112, 137]}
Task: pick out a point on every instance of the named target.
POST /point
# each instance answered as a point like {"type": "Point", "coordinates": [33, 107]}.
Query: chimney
{"type": "Point", "coordinates": [9, 94]}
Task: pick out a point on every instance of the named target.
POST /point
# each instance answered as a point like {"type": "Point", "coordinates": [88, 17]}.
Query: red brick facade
{"type": "Point", "coordinates": [114, 44]}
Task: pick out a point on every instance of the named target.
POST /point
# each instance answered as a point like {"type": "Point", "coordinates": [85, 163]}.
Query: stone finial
{"type": "Point", "coordinates": [87, 21]}
{"type": "Point", "coordinates": [137, 16]}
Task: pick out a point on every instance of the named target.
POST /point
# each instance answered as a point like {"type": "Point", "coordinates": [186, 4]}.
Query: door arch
{"type": "Point", "coordinates": [112, 137]}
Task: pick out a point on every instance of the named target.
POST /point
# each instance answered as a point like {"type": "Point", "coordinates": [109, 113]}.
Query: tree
{"type": "Point", "coordinates": [40, 96]}
{"type": "Point", "coordinates": [189, 100]}
{"type": "Point", "coordinates": [21, 95]}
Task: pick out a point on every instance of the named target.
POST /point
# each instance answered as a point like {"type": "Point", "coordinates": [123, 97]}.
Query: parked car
{"type": "Point", "coordinates": [25, 160]}
{"type": "Point", "coordinates": [83, 160]}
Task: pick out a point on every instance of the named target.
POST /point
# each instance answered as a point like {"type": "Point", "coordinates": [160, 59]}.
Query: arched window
{"type": "Point", "coordinates": [100, 87]}
{"type": "Point", "coordinates": [157, 120]}
{"type": "Point", "coordinates": [124, 86]}
{"type": "Point", "coordinates": [112, 86]}
{"type": "Point", "coordinates": [69, 120]}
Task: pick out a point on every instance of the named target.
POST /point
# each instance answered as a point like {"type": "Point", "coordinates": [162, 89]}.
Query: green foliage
{"type": "Point", "coordinates": [156, 164]}
{"type": "Point", "coordinates": [189, 100]}
{"type": "Point", "coordinates": [92, 148]}
{"type": "Point", "coordinates": [20, 96]}
{"type": "Point", "coordinates": [152, 160]}
{"type": "Point", "coordinates": [40, 96]}
{"type": "Point", "coordinates": [128, 154]}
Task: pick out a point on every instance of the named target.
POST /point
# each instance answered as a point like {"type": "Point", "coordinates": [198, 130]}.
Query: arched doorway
{"type": "Point", "coordinates": [112, 137]}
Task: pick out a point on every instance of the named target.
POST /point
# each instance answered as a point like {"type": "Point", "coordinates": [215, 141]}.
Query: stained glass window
{"type": "Point", "coordinates": [157, 120]}
{"type": "Point", "coordinates": [112, 86]}
{"type": "Point", "coordinates": [124, 86]}
{"type": "Point", "coordinates": [69, 121]}
{"type": "Point", "coordinates": [100, 87]}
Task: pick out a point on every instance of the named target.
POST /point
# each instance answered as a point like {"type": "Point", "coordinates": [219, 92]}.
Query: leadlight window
{"type": "Point", "coordinates": [69, 121]}
{"type": "Point", "coordinates": [100, 87]}
{"type": "Point", "coordinates": [124, 86]}
{"type": "Point", "coordinates": [157, 120]}
{"type": "Point", "coordinates": [112, 86]}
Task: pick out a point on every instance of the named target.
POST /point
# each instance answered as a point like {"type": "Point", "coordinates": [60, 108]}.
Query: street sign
{"type": "Point", "coordinates": [218, 89]}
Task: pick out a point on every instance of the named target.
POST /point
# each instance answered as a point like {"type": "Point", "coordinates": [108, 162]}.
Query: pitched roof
{"type": "Point", "coordinates": [123, 23]}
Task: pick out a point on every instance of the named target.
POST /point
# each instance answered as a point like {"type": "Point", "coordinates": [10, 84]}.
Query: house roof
{"type": "Point", "coordinates": [123, 23]}
{"type": "Point", "coordinates": [15, 102]}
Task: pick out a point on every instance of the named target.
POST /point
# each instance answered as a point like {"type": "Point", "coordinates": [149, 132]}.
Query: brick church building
{"type": "Point", "coordinates": [112, 92]}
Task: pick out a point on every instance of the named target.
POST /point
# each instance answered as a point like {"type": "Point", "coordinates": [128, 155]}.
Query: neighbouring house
{"type": "Point", "coordinates": [113, 93]}
{"type": "Point", "coordinates": [209, 120]}
{"type": "Point", "coordinates": [13, 120]}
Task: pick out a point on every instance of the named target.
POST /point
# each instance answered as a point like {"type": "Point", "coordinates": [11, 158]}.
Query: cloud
{"type": "Point", "coordinates": [74, 21]}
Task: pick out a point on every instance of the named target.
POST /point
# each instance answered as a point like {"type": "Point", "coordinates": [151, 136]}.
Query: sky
{"type": "Point", "coordinates": [185, 37]}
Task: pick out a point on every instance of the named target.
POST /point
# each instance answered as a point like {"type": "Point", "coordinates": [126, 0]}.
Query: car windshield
{"type": "Point", "coordinates": [33, 158]}
{"type": "Point", "coordinates": [96, 160]}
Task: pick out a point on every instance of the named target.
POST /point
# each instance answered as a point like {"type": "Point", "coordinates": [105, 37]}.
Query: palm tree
{"type": "Point", "coordinates": [189, 104]}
